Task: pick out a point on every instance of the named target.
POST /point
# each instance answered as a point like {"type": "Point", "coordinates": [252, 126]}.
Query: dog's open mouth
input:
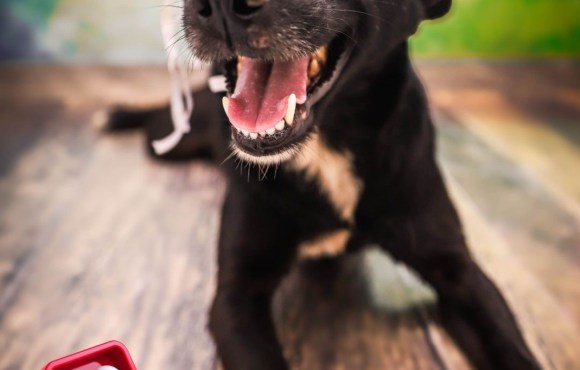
{"type": "Point", "coordinates": [269, 102]}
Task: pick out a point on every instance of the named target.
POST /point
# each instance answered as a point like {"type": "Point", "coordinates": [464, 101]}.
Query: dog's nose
{"type": "Point", "coordinates": [237, 20]}
{"type": "Point", "coordinates": [246, 9]}
{"type": "Point", "coordinates": [230, 10]}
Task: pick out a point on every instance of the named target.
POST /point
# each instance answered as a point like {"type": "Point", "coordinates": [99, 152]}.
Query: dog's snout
{"type": "Point", "coordinates": [258, 29]}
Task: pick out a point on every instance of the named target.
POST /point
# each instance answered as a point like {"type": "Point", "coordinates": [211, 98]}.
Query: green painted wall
{"type": "Point", "coordinates": [503, 28]}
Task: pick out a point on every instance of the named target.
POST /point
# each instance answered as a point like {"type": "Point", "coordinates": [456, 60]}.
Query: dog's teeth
{"type": "Point", "coordinates": [313, 68]}
{"type": "Point", "coordinates": [253, 135]}
{"type": "Point", "coordinates": [321, 54]}
{"type": "Point", "coordinates": [262, 133]}
{"type": "Point", "coordinates": [245, 132]}
{"type": "Point", "coordinates": [289, 117]}
{"type": "Point", "coordinates": [280, 125]}
{"type": "Point", "coordinates": [226, 103]}
{"type": "Point", "coordinates": [271, 131]}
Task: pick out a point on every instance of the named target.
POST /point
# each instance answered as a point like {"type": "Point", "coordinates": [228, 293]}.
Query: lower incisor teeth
{"type": "Point", "coordinates": [253, 135]}
{"type": "Point", "coordinates": [271, 131]}
{"type": "Point", "coordinates": [280, 126]}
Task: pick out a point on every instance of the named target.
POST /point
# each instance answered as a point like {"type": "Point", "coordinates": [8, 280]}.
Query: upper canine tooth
{"type": "Point", "coordinates": [321, 54]}
{"type": "Point", "coordinates": [280, 125]}
{"type": "Point", "coordinates": [226, 103]}
{"type": "Point", "coordinates": [313, 68]}
{"type": "Point", "coordinates": [289, 117]}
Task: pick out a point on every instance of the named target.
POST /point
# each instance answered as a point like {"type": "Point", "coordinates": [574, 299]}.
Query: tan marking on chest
{"type": "Point", "coordinates": [332, 171]}
{"type": "Point", "coordinates": [327, 245]}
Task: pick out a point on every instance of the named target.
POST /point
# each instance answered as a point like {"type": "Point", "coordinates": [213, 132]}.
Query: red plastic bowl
{"type": "Point", "coordinates": [112, 353]}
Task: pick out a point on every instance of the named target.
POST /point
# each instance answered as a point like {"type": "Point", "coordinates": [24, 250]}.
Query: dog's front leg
{"type": "Point", "coordinates": [255, 252]}
{"type": "Point", "coordinates": [472, 309]}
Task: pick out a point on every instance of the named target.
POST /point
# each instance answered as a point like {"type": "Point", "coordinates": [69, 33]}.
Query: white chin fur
{"type": "Point", "coordinates": [277, 158]}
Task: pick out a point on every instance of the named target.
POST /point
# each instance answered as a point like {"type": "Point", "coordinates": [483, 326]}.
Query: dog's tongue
{"type": "Point", "coordinates": [260, 99]}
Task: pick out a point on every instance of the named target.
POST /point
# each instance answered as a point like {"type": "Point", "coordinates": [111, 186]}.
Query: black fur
{"type": "Point", "coordinates": [377, 111]}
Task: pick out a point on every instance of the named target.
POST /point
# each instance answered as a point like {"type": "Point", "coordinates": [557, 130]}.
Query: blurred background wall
{"type": "Point", "coordinates": [127, 31]}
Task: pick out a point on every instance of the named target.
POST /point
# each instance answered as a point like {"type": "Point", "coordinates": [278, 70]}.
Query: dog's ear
{"type": "Point", "coordinates": [436, 8]}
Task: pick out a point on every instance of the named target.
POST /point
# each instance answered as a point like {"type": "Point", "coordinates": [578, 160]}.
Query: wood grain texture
{"type": "Point", "coordinates": [98, 242]}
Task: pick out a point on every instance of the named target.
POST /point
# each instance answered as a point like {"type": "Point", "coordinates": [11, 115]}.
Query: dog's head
{"type": "Point", "coordinates": [281, 57]}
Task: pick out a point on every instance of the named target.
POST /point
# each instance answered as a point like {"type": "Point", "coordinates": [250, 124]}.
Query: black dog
{"type": "Point", "coordinates": [330, 127]}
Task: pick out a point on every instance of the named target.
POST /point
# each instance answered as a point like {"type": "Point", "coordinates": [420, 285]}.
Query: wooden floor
{"type": "Point", "coordinates": [99, 242]}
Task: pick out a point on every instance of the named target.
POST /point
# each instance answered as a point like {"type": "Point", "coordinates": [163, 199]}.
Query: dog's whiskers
{"type": "Point", "coordinates": [169, 48]}
{"type": "Point", "coordinates": [232, 154]}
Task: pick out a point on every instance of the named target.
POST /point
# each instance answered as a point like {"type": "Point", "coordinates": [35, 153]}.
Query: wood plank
{"type": "Point", "coordinates": [520, 111]}
{"type": "Point", "coordinates": [536, 147]}
{"type": "Point", "coordinates": [550, 331]}
{"type": "Point", "coordinates": [74, 86]}
{"type": "Point", "coordinates": [111, 245]}
{"type": "Point", "coordinates": [76, 270]}
{"type": "Point", "coordinates": [526, 215]}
